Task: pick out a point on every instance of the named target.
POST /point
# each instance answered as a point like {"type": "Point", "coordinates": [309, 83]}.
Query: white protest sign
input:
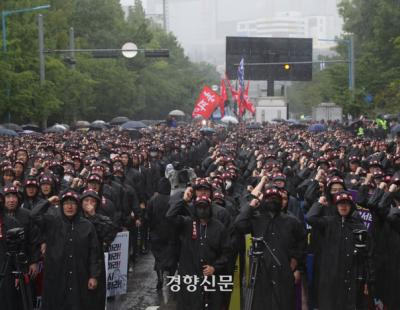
{"type": "Point", "coordinates": [117, 273]}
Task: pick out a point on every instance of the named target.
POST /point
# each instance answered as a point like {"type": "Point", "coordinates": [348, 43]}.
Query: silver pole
{"type": "Point", "coordinates": [165, 14]}
{"type": "Point", "coordinates": [41, 50]}
{"type": "Point", "coordinates": [72, 45]}
{"type": "Point", "coordinates": [352, 61]}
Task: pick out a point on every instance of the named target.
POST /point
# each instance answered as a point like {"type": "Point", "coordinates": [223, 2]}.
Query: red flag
{"type": "Point", "coordinates": [206, 104]}
{"type": "Point", "coordinates": [233, 92]}
{"type": "Point", "coordinates": [241, 103]}
{"type": "Point", "coordinates": [235, 95]}
{"type": "Point", "coordinates": [223, 97]}
{"type": "Point", "coordinates": [246, 102]}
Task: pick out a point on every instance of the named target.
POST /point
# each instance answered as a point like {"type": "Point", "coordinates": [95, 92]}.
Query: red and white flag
{"type": "Point", "coordinates": [235, 94]}
{"type": "Point", "coordinates": [206, 104]}
{"type": "Point", "coordinates": [223, 98]}
{"type": "Point", "coordinates": [246, 102]}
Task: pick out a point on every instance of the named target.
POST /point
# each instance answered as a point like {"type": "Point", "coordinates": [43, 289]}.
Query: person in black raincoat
{"type": "Point", "coordinates": [323, 193]}
{"type": "Point", "coordinates": [47, 186]}
{"type": "Point", "coordinates": [12, 207]}
{"type": "Point", "coordinates": [106, 231]}
{"type": "Point", "coordinates": [204, 253]}
{"type": "Point", "coordinates": [9, 296]}
{"type": "Point", "coordinates": [345, 272]}
{"type": "Point", "coordinates": [393, 218]}
{"type": "Point", "coordinates": [71, 265]}
{"type": "Point", "coordinates": [162, 233]}
{"type": "Point", "coordinates": [386, 235]}
{"type": "Point", "coordinates": [275, 283]}
{"type": "Point", "coordinates": [31, 194]}
{"type": "Point", "coordinates": [107, 208]}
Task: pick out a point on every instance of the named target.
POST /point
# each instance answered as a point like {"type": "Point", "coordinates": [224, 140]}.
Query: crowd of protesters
{"type": "Point", "coordinates": [191, 196]}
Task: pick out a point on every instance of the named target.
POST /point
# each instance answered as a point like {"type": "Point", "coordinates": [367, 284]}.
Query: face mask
{"type": "Point", "coordinates": [273, 205]}
{"type": "Point", "coordinates": [203, 213]}
{"type": "Point", "coordinates": [153, 154]}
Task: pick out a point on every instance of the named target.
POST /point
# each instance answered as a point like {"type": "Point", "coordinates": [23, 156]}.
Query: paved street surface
{"type": "Point", "coordinates": [142, 293]}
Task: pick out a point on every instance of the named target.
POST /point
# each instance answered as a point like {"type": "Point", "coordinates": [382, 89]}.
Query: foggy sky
{"type": "Point", "coordinates": [201, 25]}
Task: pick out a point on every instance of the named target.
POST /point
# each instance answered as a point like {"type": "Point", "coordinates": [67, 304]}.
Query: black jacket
{"type": "Point", "coordinates": [106, 231]}
{"type": "Point", "coordinates": [209, 247]}
{"type": "Point", "coordinates": [284, 234]}
{"type": "Point", "coordinates": [163, 234]}
{"type": "Point", "coordinates": [9, 296]}
{"type": "Point", "coordinates": [72, 257]}
{"type": "Point", "coordinates": [338, 286]}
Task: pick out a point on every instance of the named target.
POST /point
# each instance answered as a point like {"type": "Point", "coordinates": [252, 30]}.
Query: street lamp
{"type": "Point", "coordinates": [6, 13]}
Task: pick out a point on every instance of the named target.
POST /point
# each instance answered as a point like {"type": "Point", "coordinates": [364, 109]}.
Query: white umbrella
{"type": "Point", "coordinates": [177, 113]}
{"type": "Point", "coordinates": [229, 119]}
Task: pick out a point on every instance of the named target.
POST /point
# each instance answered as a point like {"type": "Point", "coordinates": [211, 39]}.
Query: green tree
{"type": "Point", "coordinates": [95, 88]}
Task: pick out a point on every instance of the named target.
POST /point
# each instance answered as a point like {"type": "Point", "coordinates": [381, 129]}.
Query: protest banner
{"type": "Point", "coordinates": [117, 271]}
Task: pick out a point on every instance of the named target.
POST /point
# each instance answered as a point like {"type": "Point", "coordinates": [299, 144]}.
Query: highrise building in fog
{"type": "Point", "coordinates": [202, 25]}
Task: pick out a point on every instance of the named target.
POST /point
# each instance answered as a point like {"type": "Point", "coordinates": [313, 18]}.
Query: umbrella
{"type": "Point", "coordinates": [278, 120]}
{"type": "Point", "coordinates": [229, 119]}
{"type": "Point", "coordinates": [82, 124]}
{"type": "Point", "coordinates": [99, 121]}
{"type": "Point", "coordinates": [176, 113]}
{"type": "Point", "coordinates": [65, 126]}
{"type": "Point", "coordinates": [98, 126]}
{"type": "Point", "coordinates": [57, 128]}
{"type": "Point", "coordinates": [133, 125]}
{"type": "Point", "coordinates": [8, 132]}
{"type": "Point", "coordinates": [149, 122]}
{"type": "Point", "coordinates": [317, 128]}
{"type": "Point", "coordinates": [13, 126]}
{"type": "Point", "coordinates": [292, 121]}
{"type": "Point", "coordinates": [297, 125]}
{"type": "Point", "coordinates": [394, 130]}
{"type": "Point", "coordinates": [31, 127]}
{"type": "Point", "coordinates": [254, 126]}
{"type": "Point", "coordinates": [390, 117]}
{"type": "Point", "coordinates": [30, 132]}
{"type": "Point", "coordinates": [207, 130]}
{"type": "Point", "coordinates": [135, 134]}
{"type": "Point", "coordinates": [355, 123]}
{"type": "Point", "coordinates": [119, 120]}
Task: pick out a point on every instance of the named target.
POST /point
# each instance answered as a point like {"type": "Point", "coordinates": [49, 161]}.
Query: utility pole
{"type": "Point", "coordinates": [72, 46]}
{"type": "Point", "coordinates": [352, 65]}
{"type": "Point", "coordinates": [165, 14]}
{"type": "Point", "coordinates": [41, 60]}
{"type": "Point", "coordinates": [4, 15]}
{"type": "Point", "coordinates": [41, 50]}
{"type": "Point", "coordinates": [72, 63]}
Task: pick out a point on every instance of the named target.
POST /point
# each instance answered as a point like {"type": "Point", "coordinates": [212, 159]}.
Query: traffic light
{"type": "Point", "coordinates": [287, 66]}
{"type": "Point", "coordinates": [156, 53]}
{"type": "Point", "coordinates": [106, 54]}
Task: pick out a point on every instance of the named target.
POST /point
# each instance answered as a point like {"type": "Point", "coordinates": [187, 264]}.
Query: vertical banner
{"type": "Point", "coordinates": [38, 290]}
{"type": "Point", "coordinates": [117, 273]}
{"type": "Point", "coordinates": [106, 269]}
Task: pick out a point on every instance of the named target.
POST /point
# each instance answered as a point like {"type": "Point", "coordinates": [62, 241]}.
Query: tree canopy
{"type": "Point", "coordinates": [375, 26]}
{"type": "Point", "coordinates": [95, 88]}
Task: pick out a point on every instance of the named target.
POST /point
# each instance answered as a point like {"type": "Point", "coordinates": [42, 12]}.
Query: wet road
{"type": "Point", "coordinates": [142, 293]}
